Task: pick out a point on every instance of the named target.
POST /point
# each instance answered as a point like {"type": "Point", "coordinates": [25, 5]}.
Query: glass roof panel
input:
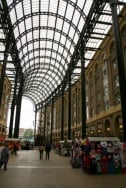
{"type": "Point", "coordinates": [16, 32]}
{"type": "Point", "coordinates": [46, 33]}
{"type": "Point", "coordinates": [59, 23]}
{"type": "Point", "coordinates": [62, 8]}
{"type": "Point", "coordinates": [35, 5]}
{"type": "Point", "coordinates": [27, 7]}
{"type": "Point", "coordinates": [36, 34]}
{"type": "Point", "coordinates": [28, 23]}
{"type": "Point", "coordinates": [19, 11]}
{"type": "Point", "coordinates": [2, 47]}
{"type": "Point", "coordinates": [58, 57]}
{"type": "Point", "coordinates": [57, 36]}
{"type": "Point", "coordinates": [68, 44]}
{"type": "Point", "coordinates": [44, 5]}
{"type": "Point", "coordinates": [51, 21]}
{"type": "Point", "coordinates": [80, 24]}
{"type": "Point", "coordinates": [76, 17]}
{"type": "Point", "coordinates": [63, 39]}
{"type": "Point", "coordinates": [43, 34]}
{"type": "Point", "coordinates": [35, 21]}
{"type": "Point", "coordinates": [30, 47]}
{"type": "Point", "coordinates": [53, 8]}
{"type": "Point", "coordinates": [66, 27]}
{"type": "Point", "coordinates": [42, 43]}
{"type": "Point", "coordinates": [43, 20]}
{"type": "Point", "coordinates": [23, 40]}
{"type": "Point", "coordinates": [21, 27]}
{"type": "Point", "coordinates": [87, 5]}
{"type": "Point", "coordinates": [76, 37]}
{"type": "Point", "coordinates": [13, 16]}
{"type": "Point", "coordinates": [69, 12]}
{"type": "Point", "coordinates": [50, 34]}
{"type": "Point", "coordinates": [36, 44]}
{"type": "Point", "coordinates": [71, 32]}
{"type": "Point", "coordinates": [49, 44]}
{"type": "Point", "coordinates": [9, 57]}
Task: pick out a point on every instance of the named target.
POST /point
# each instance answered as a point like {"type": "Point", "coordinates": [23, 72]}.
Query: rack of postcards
{"type": "Point", "coordinates": [104, 155]}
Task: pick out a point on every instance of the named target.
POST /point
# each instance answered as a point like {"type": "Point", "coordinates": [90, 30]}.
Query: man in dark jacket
{"type": "Point", "coordinates": [4, 157]}
{"type": "Point", "coordinates": [47, 150]}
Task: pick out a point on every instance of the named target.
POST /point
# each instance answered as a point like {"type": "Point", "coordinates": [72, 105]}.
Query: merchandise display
{"type": "Point", "coordinates": [104, 155]}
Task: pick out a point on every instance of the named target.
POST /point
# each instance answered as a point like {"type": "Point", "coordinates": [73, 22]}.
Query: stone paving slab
{"type": "Point", "coordinates": [26, 171]}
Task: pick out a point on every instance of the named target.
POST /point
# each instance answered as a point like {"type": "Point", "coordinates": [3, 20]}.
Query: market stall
{"type": "Point", "coordinates": [104, 155]}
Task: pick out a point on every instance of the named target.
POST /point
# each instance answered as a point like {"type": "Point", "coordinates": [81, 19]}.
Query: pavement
{"type": "Point", "coordinates": [26, 170]}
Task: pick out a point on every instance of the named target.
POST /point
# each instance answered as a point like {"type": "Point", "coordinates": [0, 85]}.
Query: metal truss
{"type": "Point", "coordinates": [45, 42]}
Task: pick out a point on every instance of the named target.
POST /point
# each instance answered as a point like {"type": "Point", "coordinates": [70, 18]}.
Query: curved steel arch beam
{"type": "Point", "coordinates": [45, 73]}
{"type": "Point", "coordinates": [49, 14]}
{"type": "Point", "coordinates": [38, 92]}
{"type": "Point", "coordinates": [49, 57]}
{"type": "Point", "coordinates": [36, 95]}
{"type": "Point", "coordinates": [31, 83]}
{"type": "Point", "coordinates": [33, 97]}
{"type": "Point", "coordinates": [41, 78]}
{"type": "Point", "coordinates": [44, 39]}
{"type": "Point", "coordinates": [35, 71]}
{"type": "Point", "coordinates": [49, 49]}
{"type": "Point", "coordinates": [43, 28]}
{"type": "Point", "coordinates": [78, 8]}
{"type": "Point", "coordinates": [13, 5]}
{"type": "Point", "coordinates": [40, 65]}
{"type": "Point", "coordinates": [38, 57]}
{"type": "Point", "coordinates": [43, 86]}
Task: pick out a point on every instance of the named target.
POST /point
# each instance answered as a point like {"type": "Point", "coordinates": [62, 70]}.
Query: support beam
{"type": "Point", "coordinates": [45, 120]}
{"type": "Point", "coordinates": [83, 95]}
{"type": "Point", "coordinates": [4, 65]}
{"type": "Point", "coordinates": [13, 107]}
{"type": "Point", "coordinates": [69, 107]}
{"type": "Point", "coordinates": [52, 110]}
{"type": "Point", "coordinates": [18, 110]}
{"type": "Point", "coordinates": [62, 116]}
{"type": "Point", "coordinates": [120, 62]}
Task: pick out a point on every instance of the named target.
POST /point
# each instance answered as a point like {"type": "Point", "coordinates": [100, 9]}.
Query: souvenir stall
{"type": "Point", "coordinates": [104, 155]}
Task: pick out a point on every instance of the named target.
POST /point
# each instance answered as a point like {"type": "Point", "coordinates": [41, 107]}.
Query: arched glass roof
{"type": "Point", "coordinates": [46, 33]}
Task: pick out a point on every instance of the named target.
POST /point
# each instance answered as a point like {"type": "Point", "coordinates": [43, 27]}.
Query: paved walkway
{"type": "Point", "coordinates": [26, 171]}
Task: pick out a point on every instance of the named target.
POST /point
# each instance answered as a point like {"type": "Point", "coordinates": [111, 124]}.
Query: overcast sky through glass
{"type": "Point", "coordinates": [27, 114]}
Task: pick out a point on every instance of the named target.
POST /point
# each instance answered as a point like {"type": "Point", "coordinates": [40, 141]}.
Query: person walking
{"type": "Point", "coordinates": [1, 147]}
{"type": "Point", "coordinates": [4, 157]}
{"type": "Point", "coordinates": [47, 150]}
{"type": "Point", "coordinates": [41, 149]}
{"type": "Point", "coordinates": [15, 148]}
